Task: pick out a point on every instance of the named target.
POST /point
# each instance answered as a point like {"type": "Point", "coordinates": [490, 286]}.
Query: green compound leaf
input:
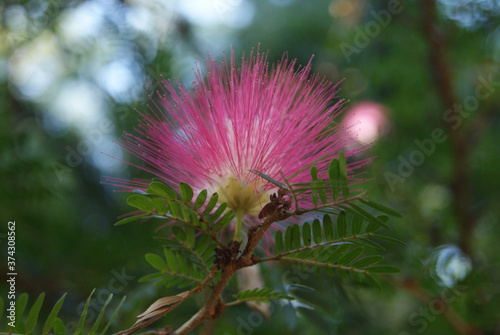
{"type": "Point", "coordinates": [129, 219]}
{"type": "Point", "coordinates": [84, 314]}
{"type": "Point", "coordinates": [101, 314]}
{"type": "Point", "coordinates": [288, 238]}
{"type": "Point", "coordinates": [159, 204]}
{"type": "Point", "coordinates": [211, 204]}
{"type": "Point", "coordinates": [328, 227]}
{"type": "Point", "coordinates": [115, 314]}
{"type": "Point", "coordinates": [179, 233]}
{"type": "Point", "coordinates": [296, 236]}
{"type": "Point", "coordinates": [59, 328]}
{"type": "Point", "coordinates": [140, 202]}
{"type": "Point", "coordinates": [186, 192]}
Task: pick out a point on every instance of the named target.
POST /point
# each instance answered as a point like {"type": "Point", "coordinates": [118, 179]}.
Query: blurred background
{"type": "Point", "coordinates": [423, 81]}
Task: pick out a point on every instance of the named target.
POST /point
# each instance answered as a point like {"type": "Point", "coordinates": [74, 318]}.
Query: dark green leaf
{"type": "Point", "coordinates": [343, 175]}
{"type": "Point", "coordinates": [317, 236]}
{"type": "Point", "coordinates": [173, 208]}
{"type": "Point", "coordinates": [342, 224]}
{"type": "Point", "coordinates": [369, 243]}
{"type": "Point", "coordinates": [269, 179]}
{"type": "Point", "coordinates": [328, 227]}
{"type": "Point", "coordinates": [369, 260]}
{"type": "Point", "coordinates": [84, 314]}
{"type": "Point", "coordinates": [333, 175]}
{"type": "Point", "coordinates": [21, 303]}
{"type": "Point", "coordinates": [159, 204]}
{"type": "Point", "coordinates": [52, 316]}
{"type": "Point", "coordinates": [296, 236]}
{"type": "Point", "coordinates": [115, 314]}
{"type": "Point", "coordinates": [140, 202]}
{"type": "Point", "coordinates": [383, 269]}
{"type": "Point", "coordinates": [211, 203]}
{"type": "Point", "coordinates": [156, 261]}
{"type": "Point", "coordinates": [388, 238]}
{"type": "Point", "coordinates": [366, 215]}
{"type": "Point", "coordinates": [334, 253]}
{"type": "Point", "coordinates": [351, 255]}
{"type": "Point", "coordinates": [33, 313]}
{"type": "Point", "coordinates": [381, 208]}
{"type": "Point", "coordinates": [306, 234]}
{"type": "Point", "coordinates": [170, 257]}
{"type": "Point", "coordinates": [190, 236]}
{"type": "Point", "coordinates": [278, 242]}
{"type": "Point", "coordinates": [288, 238]}
{"type": "Point", "coordinates": [356, 225]}
{"type": "Point", "coordinates": [217, 213]}
{"type": "Point", "coordinates": [101, 314]}
{"type": "Point", "coordinates": [179, 233]}
{"type": "Point", "coordinates": [186, 192]}
{"type": "Point", "coordinates": [224, 221]}
{"type": "Point", "coordinates": [200, 199]}
{"type": "Point", "coordinates": [152, 276]}
{"type": "Point", "coordinates": [163, 190]}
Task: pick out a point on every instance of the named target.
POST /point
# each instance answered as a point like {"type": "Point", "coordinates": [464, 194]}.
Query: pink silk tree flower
{"type": "Point", "coordinates": [238, 119]}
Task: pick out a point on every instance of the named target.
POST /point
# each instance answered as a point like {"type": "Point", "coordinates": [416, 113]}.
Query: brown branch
{"type": "Point", "coordinates": [460, 183]}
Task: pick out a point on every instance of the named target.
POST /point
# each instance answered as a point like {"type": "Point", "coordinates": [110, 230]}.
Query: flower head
{"type": "Point", "coordinates": [235, 120]}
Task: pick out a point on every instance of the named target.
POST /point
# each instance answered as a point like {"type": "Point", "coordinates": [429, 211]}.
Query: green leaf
{"type": "Point", "coordinates": [140, 202]}
{"type": "Point", "coordinates": [278, 241]}
{"type": "Point", "coordinates": [314, 176]}
{"type": "Point", "coordinates": [224, 221]}
{"type": "Point", "coordinates": [288, 238]}
{"type": "Point", "coordinates": [306, 234]}
{"type": "Point", "coordinates": [53, 315]}
{"type": "Point", "coordinates": [33, 313]}
{"type": "Point", "coordinates": [159, 204]}
{"type": "Point", "coordinates": [342, 224]}
{"type": "Point", "coordinates": [369, 260]}
{"type": "Point", "coordinates": [173, 208]}
{"type": "Point", "coordinates": [179, 233]}
{"type": "Point", "coordinates": [211, 204]}
{"type": "Point", "coordinates": [84, 314]}
{"type": "Point", "coordinates": [381, 208]}
{"type": "Point", "coordinates": [367, 216]}
{"type": "Point", "coordinates": [337, 253]}
{"type": "Point", "coordinates": [150, 277]}
{"type": "Point", "coordinates": [1, 307]}
{"type": "Point", "coordinates": [217, 213]}
{"type": "Point", "coordinates": [328, 227]}
{"type": "Point", "coordinates": [296, 236]}
{"type": "Point", "coordinates": [200, 199]}
{"type": "Point", "coordinates": [383, 269]}
{"type": "Point", "coordinates": [186, 192]}
{"type": "Point", "coordinates": [343, 175]}
{"type": "Point", "coordinates": [59, 328]}
{"type": "Point", "coordinates": [163, 190]}
{"type": "Point", "coordinates": [156, 261]}
{"type": "Point", "coordinates": [334, 177]}
{"type": "Point", "coordinates": [369, 243]}
{"type": "Point", "coordinates": [316, 227]}
{"type": "Point", "coordinates": [372, 227]}
{"type": "Point", "coordinates": [101, 314]}
{"type": "Point", "coordinates": [351, 255]}
{"type": "Point", "coordinates": [170, 257]}
{"type": "Point", "coordinates": [190, 236]}
{"type": "Point", "coordinates": [114, 316]}
{"type": "Point", "coordinates": [356, 225]}
{"type": "Point", "coordinates": [388, 238]}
